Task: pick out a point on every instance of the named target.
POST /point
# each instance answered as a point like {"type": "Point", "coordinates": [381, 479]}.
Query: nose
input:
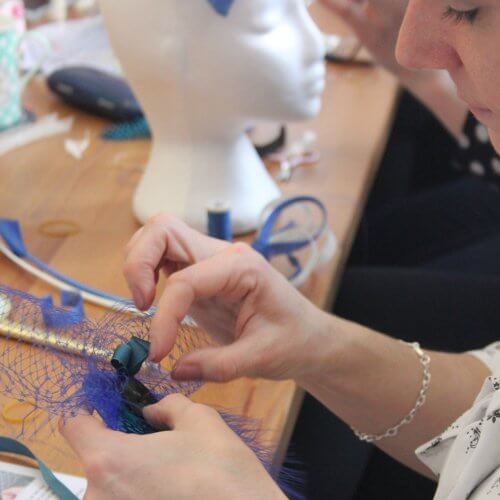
{"type": "Point", "coordinates": [425, 41]}
{"type": "Point", "coordinates": [314, 40]}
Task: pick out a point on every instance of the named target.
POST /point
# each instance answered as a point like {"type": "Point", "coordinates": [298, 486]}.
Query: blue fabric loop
{"type": "Point", "coordinates": [268, 250]}
{"type": "Point", "coordinates": [10, 231]}
{"type": "Point", "coordinates": [71, 312]}
{"type": "Point", "coordinates": [8, 445]}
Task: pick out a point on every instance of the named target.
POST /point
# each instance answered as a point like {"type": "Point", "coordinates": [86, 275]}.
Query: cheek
{"type": "Point", "coordinates": [481, 63]}
{"type": "Point", "coordinates": [271, 72]}
{"type": "Point", "coordinates": [495, 140]}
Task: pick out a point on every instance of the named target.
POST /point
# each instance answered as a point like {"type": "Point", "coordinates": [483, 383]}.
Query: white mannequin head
{"type": "Point", "coordinates": [206, 70]}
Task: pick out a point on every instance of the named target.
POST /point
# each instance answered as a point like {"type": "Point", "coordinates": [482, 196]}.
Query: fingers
{"type": "Point", "coordinates": [164, 240]}
{"type": "Point", "coordinates": [221, 364]}
{"type": "Point", "coordinates": [349, 10]}
{"type": "Point", "coordinates": [84, 433]}
{"type": "Point", "coordinates": [232, 273]}
{"type": "Point", "coordinates": [144, 255]}
{"type": "Point", "coordinates": [176, 412]}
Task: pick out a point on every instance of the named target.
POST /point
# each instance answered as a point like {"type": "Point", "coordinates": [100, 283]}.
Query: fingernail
{"type": "Point", "coordinates": [187, 371]}
{"type": "Point", "coordinates": [138, 300]}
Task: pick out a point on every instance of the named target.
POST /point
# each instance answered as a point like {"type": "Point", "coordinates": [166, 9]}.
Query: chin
{"type": "Point", "coordinates": [309, 110]}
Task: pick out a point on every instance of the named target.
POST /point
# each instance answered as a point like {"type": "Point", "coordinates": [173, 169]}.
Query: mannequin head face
{"type": "Point", "coordinates": [271, 59]}
{"type": "Point", "coordinates": [241, 61]}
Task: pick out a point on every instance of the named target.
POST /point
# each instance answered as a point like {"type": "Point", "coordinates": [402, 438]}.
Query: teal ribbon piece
{"type": "Point", "coordinates": [128, 358]}
{"type": "Point", "coordinates": [8, 445]}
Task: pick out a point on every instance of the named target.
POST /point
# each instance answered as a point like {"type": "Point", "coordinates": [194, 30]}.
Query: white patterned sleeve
{"type": "Point", "coordinates": [466, 457]}
{"type": "Point", "coordinates": [490, 356]}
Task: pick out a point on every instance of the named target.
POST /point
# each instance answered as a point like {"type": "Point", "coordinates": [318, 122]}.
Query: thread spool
{"type": "Point", "coordinates": [219, 221]}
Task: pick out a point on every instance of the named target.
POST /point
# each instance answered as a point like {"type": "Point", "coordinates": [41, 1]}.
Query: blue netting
{"type": "Point", "coordinates": [62, 383]}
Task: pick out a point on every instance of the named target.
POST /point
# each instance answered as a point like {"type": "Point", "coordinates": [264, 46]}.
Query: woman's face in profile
{"type": "Point", "coordinates": [462, 37]}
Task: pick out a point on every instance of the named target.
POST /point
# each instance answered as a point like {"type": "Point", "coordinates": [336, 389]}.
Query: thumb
{"type": "Point", "coordinates": [168, 413]}
{"type": "Point", "coordinates": [220, 364]}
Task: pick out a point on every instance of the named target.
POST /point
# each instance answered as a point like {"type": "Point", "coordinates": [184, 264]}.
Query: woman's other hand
{"type": "Point", "coordinates": [200, 457]}
{"type": "Point", "coordinates": [376, 24]}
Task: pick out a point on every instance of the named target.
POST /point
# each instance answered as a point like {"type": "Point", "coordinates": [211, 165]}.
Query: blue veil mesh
{"type": "Point", "coordinates": [63, 369]}
{"type": "Point", "coordinates": [62, 383]}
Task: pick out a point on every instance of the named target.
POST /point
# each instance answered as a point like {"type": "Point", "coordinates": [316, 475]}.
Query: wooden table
{"type": "Point", "coordinates": [42, 182]}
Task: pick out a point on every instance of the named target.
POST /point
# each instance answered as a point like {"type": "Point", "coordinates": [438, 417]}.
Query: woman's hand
{"type": "Point", "coordinates": [265, 327]}
{"type": "Point", "coordinates": [376, 24]}
{"type": "Point", "coordinates": [199, 458]}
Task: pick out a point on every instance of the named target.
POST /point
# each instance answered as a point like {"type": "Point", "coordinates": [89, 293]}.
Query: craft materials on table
{"type": "Point", "coordinates": [94, 364]}
{"type": "Point", "coordinates": [346, 49]}
{"type": "Point", "coordinates": [14, 249]}
{"type": "Point", "coordinates": [14, 9]}
{"type": "Point", "coordinates": [77, 147]}
{"type": "Point", "coordinates": [96, 92]}
{"type": "Point", "coordinates": [80, 42]}
{"type": "Point", "coordinates": [12, 84]}
{"type": "Point", "coordinates": [42, 10]}
{"type": "Point", "coordinates": [268, 138]}
{"type": "Point", "coordinates": [58, 10]}
{"type": "Point", "coordinates": [279, 235]}
{"type": "Point", "coordinates": [126, 131]}
{"type": "Point", "coordinates": [26, 483]}
{"type": "Point", "coordinates": [300, 153]}
{"type": "Point", "coordinates": [219, 221]}
{"type": "Point", "coordinates": [291, 225]}
{"type": "Point", "coordinates": [139, 129]}
{"type": "Point", "coordinates": [43, 128]}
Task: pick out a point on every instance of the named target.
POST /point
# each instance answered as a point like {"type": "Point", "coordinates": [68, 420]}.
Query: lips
{"type": "Point", "coordinates": [480, 112]}
{"type": "Point", "coordinates": [484, 115]}
{"type": "Point", "coordinates": [470, 102]}
{"type": "Point", "coordinates": [315, 84]}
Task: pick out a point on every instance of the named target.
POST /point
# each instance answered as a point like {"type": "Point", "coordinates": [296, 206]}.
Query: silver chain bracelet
{"type": "Point", "coordinates": [425, 361]}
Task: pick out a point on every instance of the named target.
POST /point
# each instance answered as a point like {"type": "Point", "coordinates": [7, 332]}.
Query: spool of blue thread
{"type": "Point", "coordinates": [219, 221]}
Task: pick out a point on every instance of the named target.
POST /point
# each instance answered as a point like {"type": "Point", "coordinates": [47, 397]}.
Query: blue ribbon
{"type": "Point", "coordinates": [71, 312]}
{"type": "Point", "coordinates": [10, 231]}
{"type": "Point", "coordinates": [265, 247]}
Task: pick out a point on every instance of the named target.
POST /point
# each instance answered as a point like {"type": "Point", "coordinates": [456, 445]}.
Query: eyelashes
{"type": "Point", "coordinates": [459, 16]}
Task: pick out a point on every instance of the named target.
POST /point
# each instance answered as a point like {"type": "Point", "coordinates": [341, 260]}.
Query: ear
{"type": "Point", "coordinates": [222, 7]}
